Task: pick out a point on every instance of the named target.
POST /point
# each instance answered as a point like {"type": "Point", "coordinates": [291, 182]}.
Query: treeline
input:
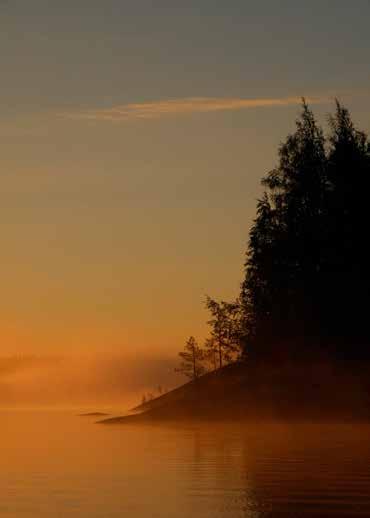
{"type": "Point", "coordinates": [306, 284]}
{"type": "Point", "coordinates": [307, 278]}
{"type": "Point", "coordinates": [223, 345]}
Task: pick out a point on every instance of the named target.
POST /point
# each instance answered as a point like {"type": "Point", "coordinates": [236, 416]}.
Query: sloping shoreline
{"type": "Point", "coordinates": [240, 392]}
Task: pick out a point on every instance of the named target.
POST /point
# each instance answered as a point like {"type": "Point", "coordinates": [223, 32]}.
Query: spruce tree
{"type": "Point", "coordinates": [281, 286]}
{"type": "Point", "coordinates": [346, 286]}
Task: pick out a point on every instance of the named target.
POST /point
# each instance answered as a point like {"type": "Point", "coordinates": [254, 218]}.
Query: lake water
{"type": "Point", "coordinates": [54, 464]}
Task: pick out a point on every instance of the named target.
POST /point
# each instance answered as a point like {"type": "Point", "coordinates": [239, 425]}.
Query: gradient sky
{"type": "Point", "coordinates": [133, 138]}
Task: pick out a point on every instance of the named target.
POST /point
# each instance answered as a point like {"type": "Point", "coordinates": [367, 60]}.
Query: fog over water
{"type": "Point", "coordinates": [83, 379]}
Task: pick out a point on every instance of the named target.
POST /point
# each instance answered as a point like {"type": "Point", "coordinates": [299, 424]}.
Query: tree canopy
{"type": "Point", "coordinates": [192, 360]}
{"type": "Point", "coordinates": [306, 283]}
{"type": "Point", "coordinates": [307, 276]}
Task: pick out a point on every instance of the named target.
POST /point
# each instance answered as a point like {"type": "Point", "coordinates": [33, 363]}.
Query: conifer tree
{"type": "Point", "coordinates": [192, 360]}
{"type": "Point", "coordinates": [280, 288]}
{"type": "Point", "coordinates": [346, 285]}
{"type": "Point", "coordinates": [225, 329]}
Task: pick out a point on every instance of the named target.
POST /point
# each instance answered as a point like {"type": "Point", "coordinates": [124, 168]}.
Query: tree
{"type": "Point", "coordinates": [307, 261]}
{"type": "Point", "coordinates": [347, 279]}
{"type": "Point", "coordinates": [225, 330]}
{"type": "Point", "coordinates": [192, 364]}
{"type": "Point", "coordinates": [283, 257]}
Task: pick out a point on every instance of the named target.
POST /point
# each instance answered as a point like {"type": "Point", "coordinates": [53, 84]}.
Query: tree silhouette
{"type": "Point", "coordinates": [192, 364]}
{"type": "Point", "coordinates": [306, 281]}
{"type": "Point", "coordinates": [307, 260]}
{"type": "Point", "coordinates": [225, 330]}
{"type": "Point", "coordinates": [347, 281]}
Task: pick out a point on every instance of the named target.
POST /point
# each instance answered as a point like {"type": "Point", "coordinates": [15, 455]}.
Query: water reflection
{"type": "Point", "coordinates": [55, 464]}
{"type": "Point", "coordinates": [217, 484]}
{"type": "Point", "coordinates": [281, 470]}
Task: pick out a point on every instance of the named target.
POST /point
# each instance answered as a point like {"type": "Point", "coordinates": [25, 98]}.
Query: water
{"type": "Point", "coordinates": [54, 464]}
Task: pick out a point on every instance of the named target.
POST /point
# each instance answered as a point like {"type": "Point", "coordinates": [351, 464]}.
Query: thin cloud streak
{"type": "Point", "coordinates": [189, 105]}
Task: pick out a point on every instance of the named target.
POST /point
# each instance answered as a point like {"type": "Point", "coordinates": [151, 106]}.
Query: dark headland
{"type": "Point", "coordinates": [238, 392]}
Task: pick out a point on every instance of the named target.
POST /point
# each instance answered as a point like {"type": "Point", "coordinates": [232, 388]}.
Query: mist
{"type": "Point", "coordinates": [83, 380]}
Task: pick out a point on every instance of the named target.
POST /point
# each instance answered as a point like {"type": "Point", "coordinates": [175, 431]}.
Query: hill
{"type": "Point", "coordinates": [240, 391]}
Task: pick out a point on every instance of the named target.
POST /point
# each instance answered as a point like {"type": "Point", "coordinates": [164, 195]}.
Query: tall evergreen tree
{"type": "Point", "coordinates": [307, 275]}
{"type": "Point", "coordinates": [283, 258]}
{"type": "Point", "coordinates": [347, 274]}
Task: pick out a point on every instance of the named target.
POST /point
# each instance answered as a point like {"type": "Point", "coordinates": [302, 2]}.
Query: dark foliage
{"type": "Point", "coordinates": [192, 360]}
{"type": "Point", "coordinates": [307, 273]}
{"type": "Point", "coordinates": [223, 346]}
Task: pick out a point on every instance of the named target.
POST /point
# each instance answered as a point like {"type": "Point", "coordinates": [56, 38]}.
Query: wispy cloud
{"type": "Point", "coordinates": [188, 105]}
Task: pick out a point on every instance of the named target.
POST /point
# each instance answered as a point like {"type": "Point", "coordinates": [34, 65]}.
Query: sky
{"type": "Point", "coordinates": [133, 138]}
